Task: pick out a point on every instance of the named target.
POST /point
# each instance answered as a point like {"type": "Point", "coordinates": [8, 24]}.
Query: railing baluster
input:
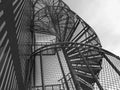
{"type": "Point", "coordinates": [62, 70]}
{"type": "Point", "coordinates": [63, 84]}
{"type": "Point", "coordinates": [52, 87]}
{"type": "Point", "coordinates": [42, 74]}
{"type": "Point", "coordinates": [71, 81]}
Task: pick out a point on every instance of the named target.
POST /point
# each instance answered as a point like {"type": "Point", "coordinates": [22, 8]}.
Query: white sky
{"type": "Point", "coordinates": [104, 17]}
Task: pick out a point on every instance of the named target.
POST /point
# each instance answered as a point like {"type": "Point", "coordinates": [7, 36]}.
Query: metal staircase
{"type": "Point", "coordinates": [83, 72]}
{"type": "Point", "coordinates": [77, 41]}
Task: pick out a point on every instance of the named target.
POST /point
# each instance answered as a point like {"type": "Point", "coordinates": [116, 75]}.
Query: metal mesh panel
{"type": "Point", "coordinates": [109, 79]}
{"type": "Point", "coordinates": [51, 71]}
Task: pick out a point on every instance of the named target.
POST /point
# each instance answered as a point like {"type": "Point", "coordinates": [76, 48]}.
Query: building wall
{"type": "Point", "coordinates": [15, 39]}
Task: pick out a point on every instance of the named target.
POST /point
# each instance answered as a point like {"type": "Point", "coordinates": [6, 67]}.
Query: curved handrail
{"type": "Point", "coordinates": [67, 43]}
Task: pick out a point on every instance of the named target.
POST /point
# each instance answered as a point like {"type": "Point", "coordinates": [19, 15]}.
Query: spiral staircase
{"type": "Point", "coordinates": [77, 41]}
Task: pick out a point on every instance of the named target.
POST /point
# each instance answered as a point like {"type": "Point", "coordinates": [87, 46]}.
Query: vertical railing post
{"type": "Point", "coordinates": [42, 74]}
{"type": "Point", "coordinates": [62, 70]}
{"type": "Point", "coordinates": [34, 69]}
{"type": "Point", "coordinates": [62, 84]}
{"type": "Point", "coordinates": [52, 87]}
{"type": "Point", "coordinates": [71, 81]}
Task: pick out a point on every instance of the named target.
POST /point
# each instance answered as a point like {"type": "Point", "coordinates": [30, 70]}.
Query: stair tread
{"type": "Point", "coordinates": [86, 77]}
{"type": "Point", "coordinates": [85, 69]}
{"type": "Point", "coordinates": [93, 61]}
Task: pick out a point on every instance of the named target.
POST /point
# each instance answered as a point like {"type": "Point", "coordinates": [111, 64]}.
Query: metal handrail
{"type": "Point", "coordinates": [57, 45]}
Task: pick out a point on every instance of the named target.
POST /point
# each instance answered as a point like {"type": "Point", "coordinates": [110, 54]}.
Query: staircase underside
{"type": "Point", "coordinates": [77, 41]}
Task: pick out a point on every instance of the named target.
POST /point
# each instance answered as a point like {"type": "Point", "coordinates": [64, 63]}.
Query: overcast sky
{"type": "Point", "coordinates": [104, 17]}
